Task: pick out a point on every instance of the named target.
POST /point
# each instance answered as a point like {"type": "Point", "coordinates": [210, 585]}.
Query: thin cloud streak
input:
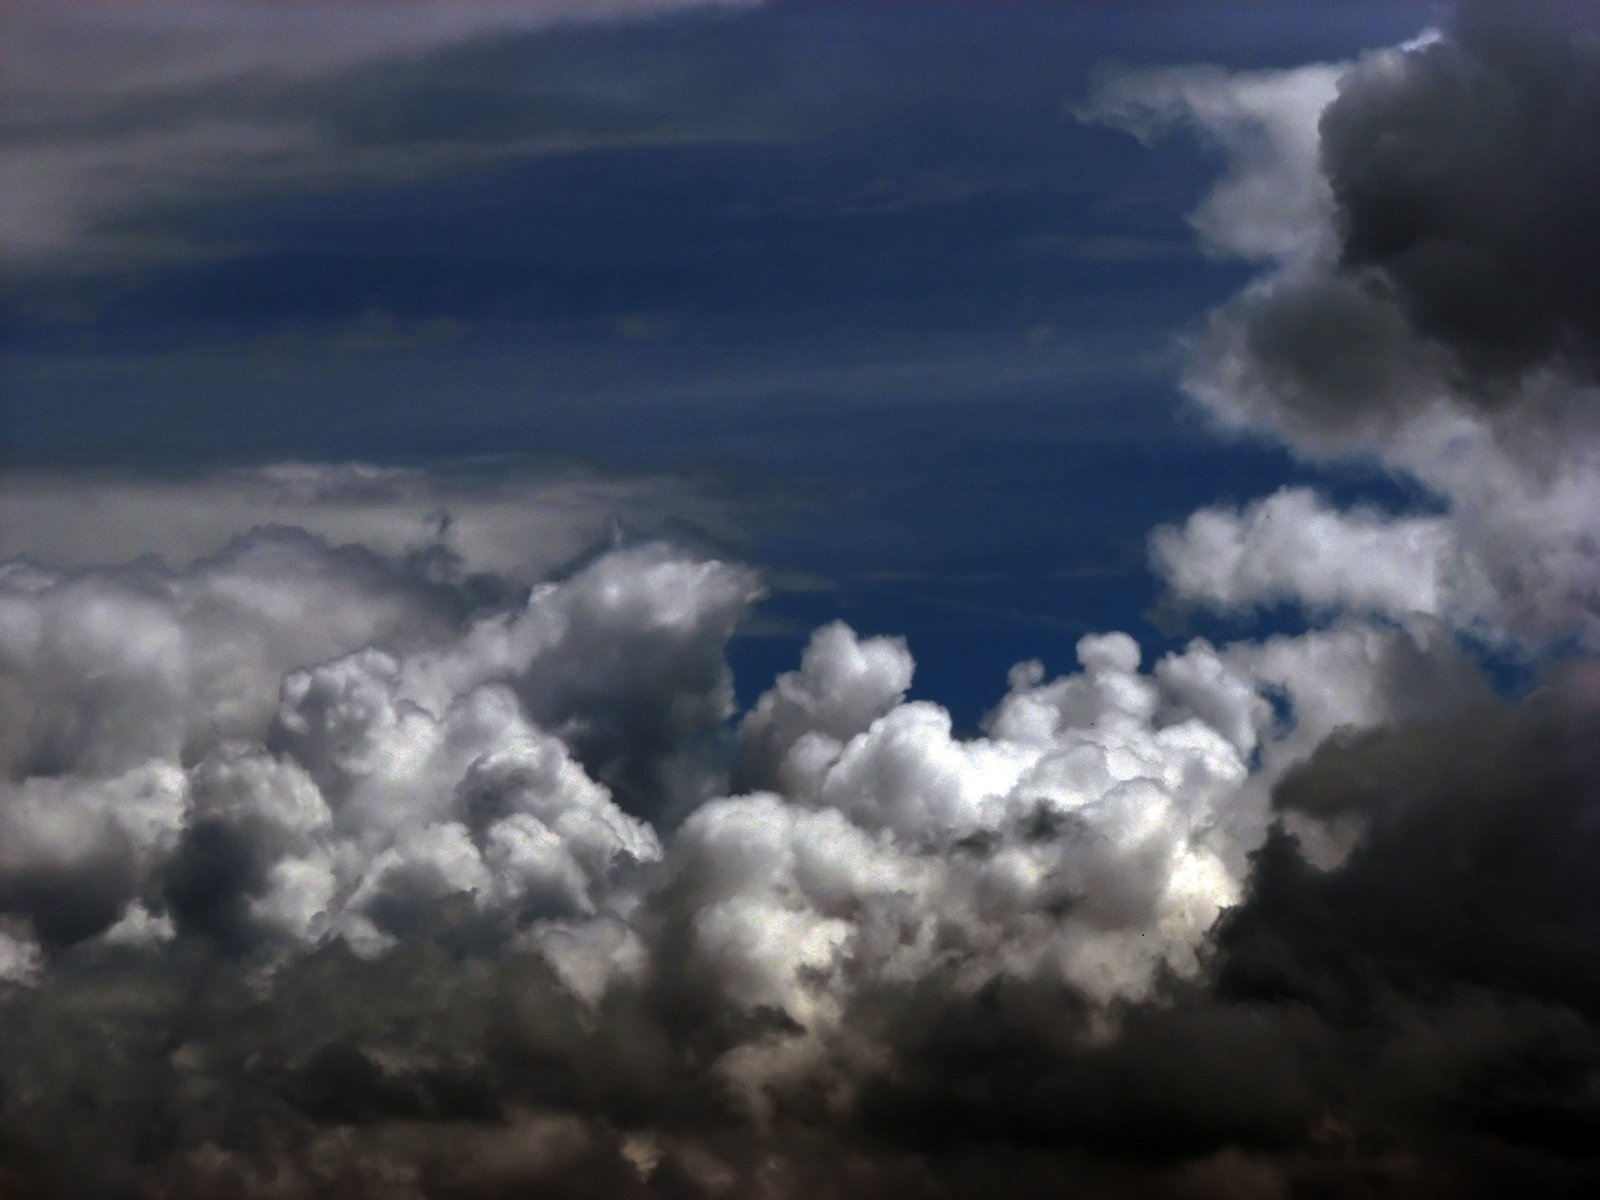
{"type": "Point", "coordinates": [331, 867]}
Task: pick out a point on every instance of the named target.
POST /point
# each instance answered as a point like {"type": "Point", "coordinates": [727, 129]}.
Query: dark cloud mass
{"type": "Point", "coordinates": [384, 935]}
{"type": "Point", "coordinates": [342, 857]}
{"type": "Point", "coordinates": [1467, 177]}
{"type": "Point", "coordinates": [1462, 226]}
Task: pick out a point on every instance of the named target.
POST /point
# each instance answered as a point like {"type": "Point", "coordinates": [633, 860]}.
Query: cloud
{"type": "Point", "coordinates": [1292, 547]}
{"type": "Point", "coordinates": [489, 519]}
{"type": "Point", "coordinates": [842, 686]}
{"type": "Point", "coordinates": [169, 46]}
{"type": "Point", "coordinates": [123, 115]}
{"type": "Point", "coordinates": [1453, 927]}
{"type": "Point", "coordinates": [107, 668]}
{"type": "Point", "coordinates": [1272, 202]}
{"type": "Point", "coordinates": [223, 743]}
{"type": "Point", "coordinates": [476, 906]}
{"type": "Point", "coordinates": [1418, 307]}
{"type": "Point", "coordinates": [1464, 178]}
{"type": "Point", "coordinates": [1428, 212]}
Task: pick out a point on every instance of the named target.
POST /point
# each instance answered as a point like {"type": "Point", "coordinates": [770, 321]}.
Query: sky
{"type": "Point", "coordinates": [785, 598]}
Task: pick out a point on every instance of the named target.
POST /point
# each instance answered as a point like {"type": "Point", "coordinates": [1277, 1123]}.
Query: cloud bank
{"type": "Point", "coordinates": [1426, 216]}
{"type": "Point", "coordinates": [328, 872]}
{"type": "Point", "coordinates": [484, 874]}
{"type": "Point", "coordinates": [483, 519]}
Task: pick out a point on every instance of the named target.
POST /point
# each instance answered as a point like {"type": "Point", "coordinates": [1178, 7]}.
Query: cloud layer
{"type": "Point", "coordinates": [487, 520]}
{"type": "Point", "coordinates": [1425, 216]}
{"type": "Point", "coordinates": [123, 113]}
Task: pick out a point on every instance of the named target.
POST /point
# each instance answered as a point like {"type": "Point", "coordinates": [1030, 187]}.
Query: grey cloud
{"type": "Point", "coordinates": [485, 519]}
{"type": "Point", "coordinates": [1431, 220]}
{"type": "Point", "coordinates": [123, 115]}
{"type": "Point", "coordinates": [109, 667]}
{"type": "Point", "coordinates": [1326, 360]}
{"type": "Point", "coordinates": [74, 855]}
{"type": "Point", "coordinates": [638, 681]}
{"type": "Point", "coordinates": [1426, 220]}
{"type": "Point", "coordinates": [1445, 233]}
{"type": "Point", "coordinates": [1464, 173]}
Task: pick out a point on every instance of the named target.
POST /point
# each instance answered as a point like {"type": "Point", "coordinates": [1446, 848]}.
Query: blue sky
{"type": "Point", "coordinates": [857, 261]}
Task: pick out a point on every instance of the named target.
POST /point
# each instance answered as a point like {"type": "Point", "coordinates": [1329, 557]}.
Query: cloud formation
{"type": "Point", "coordinates": [430, 897]}
{"type": "Point", "coordinates": [1463, 176]}
{"type": "Point", "coordinates": [489, 520]}
{"type": "Point", "coordinates": [327, 871]}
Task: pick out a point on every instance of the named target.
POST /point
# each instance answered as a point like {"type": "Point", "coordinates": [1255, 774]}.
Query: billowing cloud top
{"type": "Point", "coordinates": [310, 765]}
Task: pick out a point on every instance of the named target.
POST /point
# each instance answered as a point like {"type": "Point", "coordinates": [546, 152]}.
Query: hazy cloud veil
{"type": "Point", "coordinates": [121, 112]}
{"type": "Point", "coordinates": [343, 853]}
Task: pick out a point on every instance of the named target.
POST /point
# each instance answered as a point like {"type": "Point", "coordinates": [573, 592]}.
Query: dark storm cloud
{"type": "Point", "coordinates": [1428, 217]}
{"type": "Point", "coordinates": [1480, 835]}
{"type": "Point", "coordinates": [1417, 1021]}
{"type": "Point", "coordinates": [1466, 178]}
{"type": "Point", "coordinates": [1449, 958]}
{"type": "Point", "coordinates": [1431, 215]}
{"type": "Point", "coordinates": [1460, 235]}
{"type": "Point", "coordinates": [1427, 979]}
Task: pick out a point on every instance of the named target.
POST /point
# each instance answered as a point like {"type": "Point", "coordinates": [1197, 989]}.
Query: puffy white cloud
{"type": "Point", "coordinates": [290, 741]}
{"type": "Point", "coordinates": [288, 745]}
{"type": "Point", "coordinates": [443, 855]}
{"type": "Point", "coordinates": [1084, 836]}
{"type": "Point", "coordinates": [1070, 842]}
{"type": "Point", "coordinates": [1292, 547]}
{"type": "Point", "coordinates": [842, 686]}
